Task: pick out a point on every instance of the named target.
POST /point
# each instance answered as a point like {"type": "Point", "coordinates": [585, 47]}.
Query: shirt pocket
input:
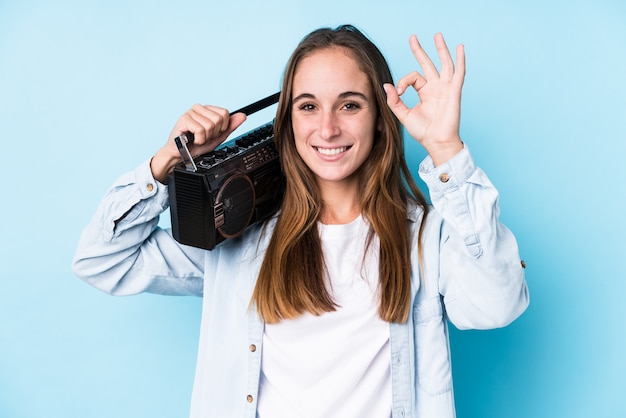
{"type": "Point", "coordinates": [432, 348]}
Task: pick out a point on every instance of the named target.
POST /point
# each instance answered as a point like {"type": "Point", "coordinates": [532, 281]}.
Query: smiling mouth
{"type": "Point", "coordinates": [331, 151]}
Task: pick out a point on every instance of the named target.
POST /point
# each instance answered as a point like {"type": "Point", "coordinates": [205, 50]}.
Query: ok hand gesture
{"type": "Point", "coordinates": [434, 121]}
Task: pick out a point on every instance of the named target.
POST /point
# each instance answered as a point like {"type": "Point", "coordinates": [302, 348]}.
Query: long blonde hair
{"type": "Point", "coordinates": [291, 278]}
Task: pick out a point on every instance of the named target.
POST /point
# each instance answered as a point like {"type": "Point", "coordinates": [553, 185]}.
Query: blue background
{"type": "Point", "coordinates": [90, 89]}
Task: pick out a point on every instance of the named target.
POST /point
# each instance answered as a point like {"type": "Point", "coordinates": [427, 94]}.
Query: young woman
{"type": "Point", "coordinates": [338, 305]}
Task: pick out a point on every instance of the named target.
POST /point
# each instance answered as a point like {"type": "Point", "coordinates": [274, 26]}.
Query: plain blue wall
{"type": "Point", "coordinates": [88, 90]}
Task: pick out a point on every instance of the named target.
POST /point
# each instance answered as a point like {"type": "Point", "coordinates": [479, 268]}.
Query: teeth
{"type": "Point", "coordinates": [331, 151]}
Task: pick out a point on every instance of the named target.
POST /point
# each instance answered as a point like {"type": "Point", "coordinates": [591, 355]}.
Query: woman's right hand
{"type": "Point", "coordinates": [210, 126]}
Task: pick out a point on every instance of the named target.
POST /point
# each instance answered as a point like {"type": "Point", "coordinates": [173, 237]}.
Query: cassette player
{"type": "Point", "coordinates": [216, 196]}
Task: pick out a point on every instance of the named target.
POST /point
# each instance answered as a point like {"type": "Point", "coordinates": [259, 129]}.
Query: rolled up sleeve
{"type": "Point", "coordinates": [122, 251]}
{"type": "Point", "coordinates": [481, 276]}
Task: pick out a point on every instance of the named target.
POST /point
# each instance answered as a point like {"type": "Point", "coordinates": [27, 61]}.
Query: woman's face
{"type": "Point", "coordinates": [333, 115]}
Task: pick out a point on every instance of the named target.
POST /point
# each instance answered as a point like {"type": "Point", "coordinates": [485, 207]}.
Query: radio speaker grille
{"type": "Point", "coordinates": [237, 200]}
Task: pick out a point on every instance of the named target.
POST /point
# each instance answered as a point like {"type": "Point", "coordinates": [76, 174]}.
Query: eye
{"type": "Point", "coordinates": [351, 106]}
{"type": "Point", "coordinates": [306, 107]}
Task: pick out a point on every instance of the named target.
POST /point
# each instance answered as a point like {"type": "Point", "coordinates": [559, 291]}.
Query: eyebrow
{"type": "Point", "coordinates": [343, 95]}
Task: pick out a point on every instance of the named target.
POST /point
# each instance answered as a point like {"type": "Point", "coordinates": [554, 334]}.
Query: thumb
{"type": "Point", "coordinates": [395, 103]}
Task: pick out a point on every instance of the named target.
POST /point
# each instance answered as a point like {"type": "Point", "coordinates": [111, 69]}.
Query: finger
{"type": "Point", "coordinates": [414, 79]}
{"type": "Point", "coordinates": [235, 122]}
{"type": "Point", "coordinates": [205, 122]}
{"type": "Point", "coordinates": [447, 65]}
{"type": "Point", "coordinates": [204, 142]}
{"type": "Point", "coordinates": [395, 103]}
{"type": "Point", "coordinates": [429, 69]}
{"type": "Point", "coordinates": [188, 122]}
{"type": "Point", "coordinates": [214, 141]}
{"type": "Point", "coordinates": [214, 119]}
{"type": "Point", "coordinates": [459, 73]}
{"type": "Point", "coordinates": [222, 115]}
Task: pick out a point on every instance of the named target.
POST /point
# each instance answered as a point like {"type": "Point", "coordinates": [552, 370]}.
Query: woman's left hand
{"type": "Point", "coordinates": [434, 121]}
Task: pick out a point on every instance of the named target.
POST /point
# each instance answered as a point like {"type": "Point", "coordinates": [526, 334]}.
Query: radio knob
{"type": "Point", "coordinates": [245, 141]}
{"type": "Point", "coordinates": [209, 159]}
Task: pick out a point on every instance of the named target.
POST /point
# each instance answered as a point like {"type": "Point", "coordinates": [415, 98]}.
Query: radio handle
{"type": "Point", "coordinates": [187, 137]}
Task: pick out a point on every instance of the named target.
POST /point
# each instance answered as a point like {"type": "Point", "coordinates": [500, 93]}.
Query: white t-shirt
{"type": "Point", "coordinates": [336, 364]}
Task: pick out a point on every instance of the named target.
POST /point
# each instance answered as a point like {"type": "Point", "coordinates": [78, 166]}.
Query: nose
{"type": "Point", "coordinates": [329, 126]}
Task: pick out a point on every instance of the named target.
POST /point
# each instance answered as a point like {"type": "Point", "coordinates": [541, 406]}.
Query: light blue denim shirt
{"type": "Point", "coordinates": [472, 277]}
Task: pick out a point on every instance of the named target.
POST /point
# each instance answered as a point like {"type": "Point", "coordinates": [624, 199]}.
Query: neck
{"type": "Point", "coordinates": [342, 204]}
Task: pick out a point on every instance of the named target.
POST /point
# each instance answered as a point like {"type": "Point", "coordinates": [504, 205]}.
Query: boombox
{"type": "Point", "coordinates": [216, 196]}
